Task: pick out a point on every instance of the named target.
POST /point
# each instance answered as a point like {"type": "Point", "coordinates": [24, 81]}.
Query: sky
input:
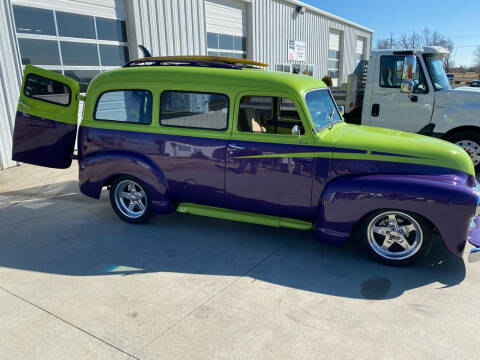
{"type": "Point", "coordinates": [458, 20]}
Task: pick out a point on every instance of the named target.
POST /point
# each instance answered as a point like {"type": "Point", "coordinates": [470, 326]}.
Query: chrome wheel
{"type": "Point", "coordinates": [130, 199]}
{"type": "Point", "coordinates": [394, 235]}
{"type": "Point", "coordinates": [472, 148]}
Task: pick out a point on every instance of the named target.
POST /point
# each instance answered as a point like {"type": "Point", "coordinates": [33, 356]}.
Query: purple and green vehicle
{"type": "Point", "coordinates": [221, 137]}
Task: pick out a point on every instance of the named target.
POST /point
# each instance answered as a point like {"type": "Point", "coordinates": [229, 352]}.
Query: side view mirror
{"type": "Point", "coordinates": [296, 132]}
{"type": "Point", "coordinates": [341, 109]}
{"type": "Point", "coordinates": [408, 75]}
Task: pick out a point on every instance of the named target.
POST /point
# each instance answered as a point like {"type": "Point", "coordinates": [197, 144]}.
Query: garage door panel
{"type": "Point", "coordinates": [226, 17]}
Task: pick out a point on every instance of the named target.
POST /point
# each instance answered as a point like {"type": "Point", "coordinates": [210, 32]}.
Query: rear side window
{"type": "Point", "coordinates": [130, 106]}
{"type": "Point", "coordinates": [194, 110]}
{"type": "Point", "coordinates": [44, 89]}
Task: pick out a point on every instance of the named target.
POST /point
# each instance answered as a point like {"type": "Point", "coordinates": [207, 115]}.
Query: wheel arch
{"type": "Point", "coordinates": [101, 169]}
{"type": "Point", "coordinates": [347, 200]}
{"type": "Point", "coordinates": [465, 128]}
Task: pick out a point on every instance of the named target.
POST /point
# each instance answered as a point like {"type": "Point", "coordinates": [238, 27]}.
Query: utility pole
{"type": "Point", "coordinates": [391, 41]}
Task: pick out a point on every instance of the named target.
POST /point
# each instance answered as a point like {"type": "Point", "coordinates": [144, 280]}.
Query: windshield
{"type": "Point", "coordinates": [321, 107]}
{"type": "Point", "coordinates": [437, 73]}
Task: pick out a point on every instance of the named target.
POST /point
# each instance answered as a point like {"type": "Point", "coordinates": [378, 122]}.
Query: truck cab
{"type": "Point", "coordinates": [430, 107]}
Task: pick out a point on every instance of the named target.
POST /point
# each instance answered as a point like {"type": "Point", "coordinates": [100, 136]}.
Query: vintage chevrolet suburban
{"type": "Point", "coordinates": [221, 137]}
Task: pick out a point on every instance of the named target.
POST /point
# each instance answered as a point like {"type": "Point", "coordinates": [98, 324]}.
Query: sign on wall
{"type": "Point", "coordinates": [296, 50]}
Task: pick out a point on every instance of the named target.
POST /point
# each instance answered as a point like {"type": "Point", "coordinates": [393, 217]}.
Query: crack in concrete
{"type": "Point", "coordinates": [69, 323]}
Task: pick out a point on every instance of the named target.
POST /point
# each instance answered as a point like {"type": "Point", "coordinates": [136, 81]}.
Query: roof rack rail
{"type": "Point", "coordinates": [202, 61]}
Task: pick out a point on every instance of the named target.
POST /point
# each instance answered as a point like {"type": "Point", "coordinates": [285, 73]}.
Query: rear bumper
{"type": "Point", "coordinates": [474, 239]}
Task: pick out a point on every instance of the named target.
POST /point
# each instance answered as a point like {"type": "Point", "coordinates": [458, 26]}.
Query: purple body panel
{"type": "Point", "coordinates": [448, 205]}
{"type": "Point", "coordinates": [474, 233]}
{"type": "Point", "coordinates": [334, 194]}
{"type": "Point", "coordinates": [272, 186]}
{"type": "Point", "coordinates": [43, 142]}
{"type": "Point", "coordinates": [178, 168]}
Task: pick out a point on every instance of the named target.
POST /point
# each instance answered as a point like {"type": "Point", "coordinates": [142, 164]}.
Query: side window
{"type": "Point", "coordinates": [194, 110]}
{"type": "Point", "coordinates": [131, 106]}
{"type": "Point", "coordinates": [266, 114]}
{"type": "Point", "coordinates": [44, 89]}
{"type": "Point", "coordinates": [391, 70]}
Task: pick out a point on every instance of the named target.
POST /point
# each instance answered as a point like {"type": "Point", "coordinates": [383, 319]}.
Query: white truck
{"type": "Point", "coordinates": [409, 91]}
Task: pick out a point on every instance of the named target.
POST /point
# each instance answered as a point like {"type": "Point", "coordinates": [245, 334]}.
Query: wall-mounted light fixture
{"type": "Point", "coordinates": [300, 9]}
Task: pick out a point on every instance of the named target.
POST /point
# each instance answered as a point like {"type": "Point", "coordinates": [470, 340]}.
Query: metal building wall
{"type": "Point", "coordinates": [274, 22]}
{"type": "Point", "coordinates": [10, 81]}
{"type": "Point", "coordinates": [167, 27]}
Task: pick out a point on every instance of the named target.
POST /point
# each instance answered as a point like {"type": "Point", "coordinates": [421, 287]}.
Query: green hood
{"type": "Point", "coordinates": [398, 146]}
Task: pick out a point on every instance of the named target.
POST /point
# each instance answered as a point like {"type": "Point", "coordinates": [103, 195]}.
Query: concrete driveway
{"type": "Point", "coordinates": [78, 283]}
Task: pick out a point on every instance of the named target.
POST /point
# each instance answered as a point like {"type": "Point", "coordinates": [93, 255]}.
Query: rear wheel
{"type": "Point", "coordinates": [130, 200]}
{"type": "Point", "coordinates": [470, 142]}
{"type": "Point", "coordinates": [395, 237]}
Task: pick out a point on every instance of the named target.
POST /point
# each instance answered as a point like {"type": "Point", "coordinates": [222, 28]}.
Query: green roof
{"type": "Point", "coordinates": [238, 78]}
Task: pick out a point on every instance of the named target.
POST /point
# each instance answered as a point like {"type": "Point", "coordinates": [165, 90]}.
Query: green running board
{"type": "Point", "coordinates": [227, 214]}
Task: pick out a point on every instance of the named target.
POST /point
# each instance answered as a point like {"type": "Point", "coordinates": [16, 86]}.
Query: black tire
{"type": "Point", "coordinates": [396, 254]}
{"type": "Point", "coordinates": [470, 142]}
{"type": "Point", "coordinates": [141, 209]}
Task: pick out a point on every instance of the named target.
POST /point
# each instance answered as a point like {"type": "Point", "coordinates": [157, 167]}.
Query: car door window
{"type": "Point", "coordinates": [391, 70]}
{"type": "Point", "coordinates": [194, 110]}
{"type": "Point", "coordinates": [268, 114]}
{"type": "Point", "coordinates": [45, 89]}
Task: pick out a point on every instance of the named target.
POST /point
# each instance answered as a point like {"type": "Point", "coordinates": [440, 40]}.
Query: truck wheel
{"type": "Point", "coordinates": [130, 200]}
{"type": "Point", "coordinates": [394, 237]}
{"type": "Point", "coordinates": [470, 142]}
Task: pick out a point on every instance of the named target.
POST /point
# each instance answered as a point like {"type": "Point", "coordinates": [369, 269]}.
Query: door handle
{"type": "Point", "coordinates": [413, 98]}
{"type": "Point", "coordinates": [235, 147]}
{"type": "Point", "coordinates": [375, 109]}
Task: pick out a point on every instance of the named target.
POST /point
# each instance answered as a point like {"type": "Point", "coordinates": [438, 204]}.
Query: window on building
{"type": "Point", "coordinates": [295, 68]}
{"type": "Point", "coordinates": [267, 114]}
{"type": "Point", "coordinates": [194, 110]}
{"type": "Point", "coordinates": [131, 106]}
{"type": "Point", "coordinates": [391, 71]}
{"type": "Point", "coordinates": [360, 52]}
{"type": "Point", "coordinates": [44, 89]}
{"type": "Point", "coordinates": [226, 45]}
{"type": "Point", "coordinates": [334, 43]}
{"type": "Point", "coordinates": [76, 45]}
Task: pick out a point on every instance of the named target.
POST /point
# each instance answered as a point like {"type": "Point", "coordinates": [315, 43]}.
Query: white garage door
{"type": "Point", "coordinates": [226, 27]}
{"type": "Point", "coordinates": [334, 56]}
{"type": "Point", "coordinates": [226, 17]}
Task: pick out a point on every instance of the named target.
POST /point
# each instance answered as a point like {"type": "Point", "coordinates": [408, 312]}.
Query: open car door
{"type": "Point", "coordinates": [46, 119]}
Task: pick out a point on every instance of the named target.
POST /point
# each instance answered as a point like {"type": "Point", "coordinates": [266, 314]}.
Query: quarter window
{"type": "Point", "coordinates": [44, 89]}
{"type": "Point", "coordinates": [194, 110]}
{"type": "Point", "coordinates": [131, 106]}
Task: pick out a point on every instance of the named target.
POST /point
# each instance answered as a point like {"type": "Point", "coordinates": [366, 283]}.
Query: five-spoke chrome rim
{"type": "Point", "coordinates": [395, 235]}
{"type": "Point", "coordinates": [131, 199]}
{"type": "Point", "coordinates": [472, 148]}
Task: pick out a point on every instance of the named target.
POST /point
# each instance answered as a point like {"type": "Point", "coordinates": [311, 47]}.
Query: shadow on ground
{"type": "Point", "coordinates": [70, 234]}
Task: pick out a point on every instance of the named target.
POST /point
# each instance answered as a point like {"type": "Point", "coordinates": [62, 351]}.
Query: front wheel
{"type": "Point", "coordinates": [395, 237]}
{"type": "Point", "coordinates": [470, 142]}
{"type": "Point", "coordinates": [130, 200]}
